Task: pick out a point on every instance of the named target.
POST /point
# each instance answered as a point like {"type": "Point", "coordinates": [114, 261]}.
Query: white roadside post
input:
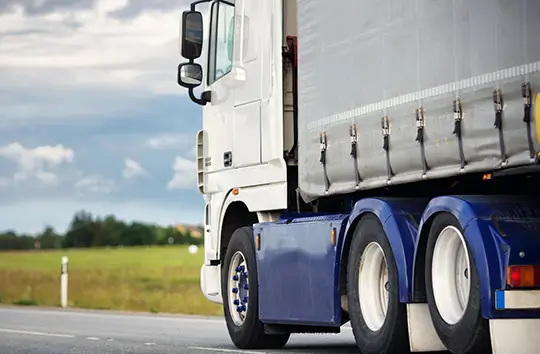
{"type": "Point", "coordinates": [64, 282]}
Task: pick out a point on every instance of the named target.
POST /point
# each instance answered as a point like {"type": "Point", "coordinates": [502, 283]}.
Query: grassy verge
{"type": "Point", "coordinates": [150, 279]}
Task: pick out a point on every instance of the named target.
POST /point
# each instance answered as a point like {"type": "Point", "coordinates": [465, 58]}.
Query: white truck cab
{"type": "Point", "coordinates": [247, 139]}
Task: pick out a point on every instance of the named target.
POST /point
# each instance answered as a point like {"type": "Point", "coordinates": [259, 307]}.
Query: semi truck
{"type": "Point", "coordinates": [373, 163]}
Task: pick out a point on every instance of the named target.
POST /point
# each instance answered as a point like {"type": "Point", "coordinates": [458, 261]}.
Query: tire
{"type": "Point", "coordinates": [391, 336]}
{"type": "Point", "coordinates": [248, 333]}
{"type": "Point", "coordinates": [456, 314]}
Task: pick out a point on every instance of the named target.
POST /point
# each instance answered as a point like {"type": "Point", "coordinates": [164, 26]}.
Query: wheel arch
{"type": "Point", "coordinates": [479, 243]}
{"type": "Point", "coordinates": [246, 206]}
{"type": "Point", "coordinates": [235, 214]}
{"type": "Point", "coordinates": [398, 219]}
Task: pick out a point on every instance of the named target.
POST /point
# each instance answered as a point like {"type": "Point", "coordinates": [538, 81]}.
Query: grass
{"type": "Point", "coordinates": [149, 279]}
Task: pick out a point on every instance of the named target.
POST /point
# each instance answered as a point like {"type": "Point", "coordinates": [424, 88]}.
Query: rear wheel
{"type": "Point", "coordinates": [453, 289]}
{"type": "Point", "coordinates": [239, 286]}
{"type": "Point", "coordinates": [378, 318]}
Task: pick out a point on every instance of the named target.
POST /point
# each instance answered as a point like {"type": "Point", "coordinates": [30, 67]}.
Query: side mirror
{"type": "Point", "coordinates": [192, 34]}
{"type": "Point", "coordinates": [190, 75]}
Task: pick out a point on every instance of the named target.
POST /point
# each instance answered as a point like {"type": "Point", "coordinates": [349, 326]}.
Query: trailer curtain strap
{"type": "Point", "coordinates": [323, 145]}
{"type": "Point", "coordinates": [498, 105]}
{"type": "Point", "coordinates": [527, 102]}
{"type": "Point", "coordinates": [458, 116]}
{"type": "Point", "coordinates": [420, 124]}
{"type": "Point", "coordinates": [385, 125]}
{"type": "Point", "coordinates": [354, 153]}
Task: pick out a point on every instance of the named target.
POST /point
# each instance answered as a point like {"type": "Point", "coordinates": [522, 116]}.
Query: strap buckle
{"type": "Point", "coordinates": [458, 115]}
{"type": "Point", "coordinates": [353, 134]}
{"type": "Point", "coordinates": [385, 125]}
{"type": "Point", "coordinates": [420, 121]}
{"type": "Point", "coordinates": [323, 142]}
{"type": "Point", "coordinates": [497, 101]}
{"type": "Point", "coordinates": [526, 93]}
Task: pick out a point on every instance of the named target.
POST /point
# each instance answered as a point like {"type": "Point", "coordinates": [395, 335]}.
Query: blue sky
{"type": "Point", "coordinates": [91, 116]}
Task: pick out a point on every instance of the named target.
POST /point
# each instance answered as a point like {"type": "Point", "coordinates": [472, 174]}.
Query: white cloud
{"type": "Point", "coordinates": [169, 141]}
{"type": "Point", "coordinates": [185, 174]}
{"type": "Point", "coordinates": [133, 169]}
{"type": "Point", "coordinates": [38, 162]}
{"type": "Point", "coordinates": [94, 49]}
{"type": "Point", "coordinates": [95, 184]}
{"type": "Point", "coordinates": [46, 177]}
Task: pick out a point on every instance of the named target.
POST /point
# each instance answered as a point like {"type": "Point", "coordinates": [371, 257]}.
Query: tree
{"type": "Point", "coordinates": [85, 230]}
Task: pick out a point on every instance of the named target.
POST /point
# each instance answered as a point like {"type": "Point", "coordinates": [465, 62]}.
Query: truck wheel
{"type": "Point", "coordinates": [453, 289]}
{"type": "Point", "coordinates": [239, 287]}
{"type": "Point", "coordinates": [378, 318]}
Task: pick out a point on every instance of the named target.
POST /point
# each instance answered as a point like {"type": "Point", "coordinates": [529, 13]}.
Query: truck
{"type": "Point", "coordinates": [373, 163]}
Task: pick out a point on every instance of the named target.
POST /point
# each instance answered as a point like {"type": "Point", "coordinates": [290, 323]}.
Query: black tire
{"type": "Point", "coordinates": [471, 334]}
{"type": "Point", "coordinates": [393, 336]}
{"type": "Point", "coordinates": [250, 334]}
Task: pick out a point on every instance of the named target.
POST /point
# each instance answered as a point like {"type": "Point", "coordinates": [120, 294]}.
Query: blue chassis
{"type": "Point", "coordinates": [299, 268]}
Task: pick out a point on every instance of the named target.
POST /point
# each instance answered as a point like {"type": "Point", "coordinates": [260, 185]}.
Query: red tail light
{"type": "Point", "coordinates": [523, 276]}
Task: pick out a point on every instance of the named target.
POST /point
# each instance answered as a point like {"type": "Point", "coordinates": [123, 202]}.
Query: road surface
{"type": "Point", "coordinates": [33, 330]}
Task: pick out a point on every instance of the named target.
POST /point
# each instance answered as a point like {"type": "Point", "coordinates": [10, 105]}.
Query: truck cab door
{"type": "Point", "coordinates": [248, 92]}
{"type": "Point", "coordinates": [219, 113]}
{"type": "Point", "coordinates": [234, 79]}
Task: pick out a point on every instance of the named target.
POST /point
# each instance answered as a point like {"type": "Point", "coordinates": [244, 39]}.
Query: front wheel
{"type": "Point", "coordinates": [378, 318]}
{"type": "Point", "coordinates": [239, 286]}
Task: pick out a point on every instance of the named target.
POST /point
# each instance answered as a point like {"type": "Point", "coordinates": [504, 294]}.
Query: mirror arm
{"type": "Point", "coordinates": [205, 97]}
{"type": "Point", "coordinates": [195, 3]}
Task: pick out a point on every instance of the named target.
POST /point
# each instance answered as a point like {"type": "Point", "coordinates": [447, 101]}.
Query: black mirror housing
{"type": "Point", "coordinates": [192, 34]}
{"type": "Point", "coordinates": [190, 75]}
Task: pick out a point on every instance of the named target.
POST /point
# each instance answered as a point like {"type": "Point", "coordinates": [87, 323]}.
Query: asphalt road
{"type": "Point", "coordinates": [32, 330]}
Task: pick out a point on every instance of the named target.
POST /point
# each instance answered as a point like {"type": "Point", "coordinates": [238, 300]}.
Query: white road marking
{"type": "Point", "coordinates": [32, 333]}
{"type": "Point", "coordinates": [149, 343]}
{"type": "Point", "coordinates": [225, 350]}
{"type": "Point", "coordinates": [92, 338]}
{"type": "Point", "coordinates": [120, 315]}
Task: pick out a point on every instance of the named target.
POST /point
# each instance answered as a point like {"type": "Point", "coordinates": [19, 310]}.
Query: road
{"type": "Point", "coordinates": [33, 330]}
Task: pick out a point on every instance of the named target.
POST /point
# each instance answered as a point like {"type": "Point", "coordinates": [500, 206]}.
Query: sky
{"type": "Point", "coordinates": [91, 116]}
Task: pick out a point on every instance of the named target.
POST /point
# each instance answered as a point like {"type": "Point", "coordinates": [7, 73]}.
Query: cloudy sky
{"type": "Point", "coordinates": [91, 116]}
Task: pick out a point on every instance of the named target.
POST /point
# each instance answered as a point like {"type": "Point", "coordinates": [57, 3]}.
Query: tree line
{"type": "Point", "coordinates": [85, 230]}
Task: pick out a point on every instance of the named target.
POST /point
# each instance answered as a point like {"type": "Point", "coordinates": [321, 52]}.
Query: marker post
{"type": "Point", "coordinates": [64, 282]}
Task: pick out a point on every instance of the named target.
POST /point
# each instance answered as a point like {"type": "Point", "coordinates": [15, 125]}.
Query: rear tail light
{"type": "Point", "coordinates": [523, 276]}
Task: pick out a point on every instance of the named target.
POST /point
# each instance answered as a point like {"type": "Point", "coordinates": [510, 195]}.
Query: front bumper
{"type": "Point", "coordinates": [211, 283]}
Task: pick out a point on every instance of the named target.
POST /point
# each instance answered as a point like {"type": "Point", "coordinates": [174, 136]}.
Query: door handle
{"type": "Point", "coordinates": [227, 159]}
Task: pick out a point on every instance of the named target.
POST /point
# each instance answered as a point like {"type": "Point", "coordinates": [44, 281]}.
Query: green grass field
{"type": "Point", "coordinates": [149, 279]}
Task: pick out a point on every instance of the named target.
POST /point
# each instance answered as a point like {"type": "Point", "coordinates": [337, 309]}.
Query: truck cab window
{"type": "Point", "coordinates": [221, 40]}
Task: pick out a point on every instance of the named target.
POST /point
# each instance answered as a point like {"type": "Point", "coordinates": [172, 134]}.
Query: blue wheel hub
{"type": "Point", "coordinates": [239, 288]}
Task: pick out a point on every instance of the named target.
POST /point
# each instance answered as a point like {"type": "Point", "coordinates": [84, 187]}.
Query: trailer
{"type": "Point", "coordinates": [372, 162]}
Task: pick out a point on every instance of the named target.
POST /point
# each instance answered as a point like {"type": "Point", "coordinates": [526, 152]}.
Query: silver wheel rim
{"type": "Point", "coordinates": [373, 286]}
{"type": "Point", "coordinates": [450, 276]}
{"type": "Point", "coordinates": [238, 286]}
